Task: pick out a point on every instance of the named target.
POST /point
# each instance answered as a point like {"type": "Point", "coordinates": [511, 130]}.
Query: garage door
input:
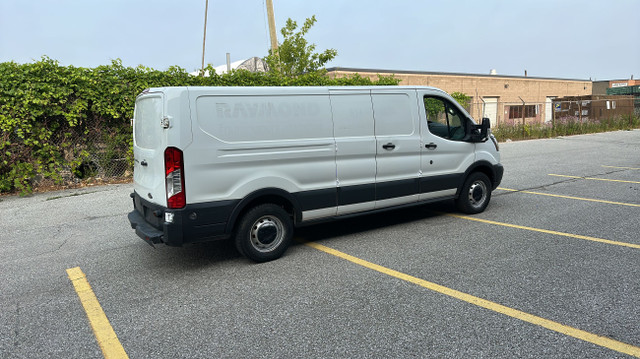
{"type": "Point", "coordinates": [548, 113]}
{"type": "Point", "coordinates": [491, 109]}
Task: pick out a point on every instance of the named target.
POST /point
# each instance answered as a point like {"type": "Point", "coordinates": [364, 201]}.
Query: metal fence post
{"type": "Point", "coordinates": [553, 116]}
{"type": "Point", "coordinates": [523, 117]}
{"type": "Point", "coordinates": [580, 115]}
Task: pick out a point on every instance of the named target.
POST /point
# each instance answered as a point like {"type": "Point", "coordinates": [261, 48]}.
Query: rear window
{"type": "Point", "coordinates": [147, 117]}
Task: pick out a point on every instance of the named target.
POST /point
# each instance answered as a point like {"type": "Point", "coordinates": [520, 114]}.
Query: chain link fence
{"type": "Point", "coordinates": [583, 109]}
{"type": "Point", "coordinates": [566, 116]}
{"type": "Point", "coordinates": [92, 156]}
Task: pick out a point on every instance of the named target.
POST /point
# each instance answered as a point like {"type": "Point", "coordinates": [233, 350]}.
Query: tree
{"type": "Point", "coordinates": [435, 107]}
{"type": "Point", "coordinates": [295, 55]}
{"type": "Point", "coordinates": [462, 99]}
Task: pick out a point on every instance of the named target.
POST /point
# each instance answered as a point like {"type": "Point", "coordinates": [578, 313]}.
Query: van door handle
{"type": "Point", "coordinates": [389, 146]}
{"type": "Point", "coordinates": [431, 146]}
{"type": "Point", "coordinates": [143, 163]}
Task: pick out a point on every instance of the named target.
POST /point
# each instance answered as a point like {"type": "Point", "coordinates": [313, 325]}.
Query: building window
{"type": "Point", "coordinates": [529, 111]}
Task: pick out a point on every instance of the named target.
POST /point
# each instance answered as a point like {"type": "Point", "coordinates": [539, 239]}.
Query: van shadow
{"type": "Point", "coordinates": [191, 257]}
{"type": "Point", "coordinates": [371, 222]}
{"type": "Point", "coordinates": [197, 256]}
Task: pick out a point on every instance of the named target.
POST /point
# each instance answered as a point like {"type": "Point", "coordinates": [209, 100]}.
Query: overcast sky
{"type": "Point", "coordinates": [574, 39]}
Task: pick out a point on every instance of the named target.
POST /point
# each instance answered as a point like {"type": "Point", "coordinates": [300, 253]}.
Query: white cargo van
{"type": "Point", "coordinates": [252, 163]}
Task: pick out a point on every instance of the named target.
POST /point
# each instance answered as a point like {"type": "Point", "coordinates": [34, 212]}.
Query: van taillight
{"type": "Point", "coordinates": [174, 178]}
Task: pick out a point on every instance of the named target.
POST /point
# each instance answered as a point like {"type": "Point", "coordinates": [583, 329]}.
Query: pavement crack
{"type": "Point", "coordinates": [55, 235]}
{"type": "Point", "coordinates": [61, 244]}
{"type": "Point", "coordinates": [537, 188]}
{"type": "Point", "coordinates": [93, 218]}
{"type": "Point", "coordinates": [560, 181]}
{"type": "Point", "coordinates": [16, 329]}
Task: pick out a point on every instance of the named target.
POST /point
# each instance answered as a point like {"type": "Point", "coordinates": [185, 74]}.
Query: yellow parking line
{"type": "Point", "coordinates": [624, 168]}
{"type": "Point", "coordinates": [593, 178]}
{"type": "Point", "coordinates": [571, 197]}
{"type": "Point", "coordinates": [106, 337]}
{"type": "Point", "coordinates": [577, 236]}
{"type": "Point", "coordinates": [499, 308]}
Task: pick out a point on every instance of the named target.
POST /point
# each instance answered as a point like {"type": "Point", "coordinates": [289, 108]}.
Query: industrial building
{"type": "Point", "coordinates": [501, 98]}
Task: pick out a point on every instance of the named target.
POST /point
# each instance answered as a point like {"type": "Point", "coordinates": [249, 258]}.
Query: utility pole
{"type": "Point", "coordinates": [204, 38]}
{"type": "Point", "coordinates": [272, 26]}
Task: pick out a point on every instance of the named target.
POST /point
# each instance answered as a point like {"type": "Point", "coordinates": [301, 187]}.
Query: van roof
{"type": "Point", "coordinates": [289, 89]}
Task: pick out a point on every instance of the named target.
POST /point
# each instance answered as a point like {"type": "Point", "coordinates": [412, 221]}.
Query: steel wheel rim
{"type": "Point", "coordinates": [266, 234]}
{"type": "Point", "coordinates": [477, 194]}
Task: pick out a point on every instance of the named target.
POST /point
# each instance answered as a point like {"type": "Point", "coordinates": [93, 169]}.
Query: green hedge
{"type": "Point", "coordinates": [54, 117]}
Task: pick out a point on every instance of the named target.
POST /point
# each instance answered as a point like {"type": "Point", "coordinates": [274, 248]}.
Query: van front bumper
{"type": "Point", "coordinates": [498, 169]}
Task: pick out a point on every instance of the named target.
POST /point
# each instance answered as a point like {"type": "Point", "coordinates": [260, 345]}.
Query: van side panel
{"type": "Point", "coordinates": [355, 150]}
{"type": "Point", "coordinates": [258, 140]}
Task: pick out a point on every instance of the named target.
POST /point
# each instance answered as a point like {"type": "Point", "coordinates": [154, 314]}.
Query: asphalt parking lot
{"type": "Point", "coordinates": [550, 269]}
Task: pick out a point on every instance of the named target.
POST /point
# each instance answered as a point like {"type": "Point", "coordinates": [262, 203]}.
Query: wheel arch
{"type": "Point", "coordinates": [481, 166]}
{"type": "Point", "coordinates": [266, 195]}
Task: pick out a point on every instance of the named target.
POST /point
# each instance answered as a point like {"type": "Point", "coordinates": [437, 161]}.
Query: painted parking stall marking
{"type": "Point", "coordinates": [593, 178]}
{"type": "Point", "coordinates": [563, 234]}
{"type": "Point", "coordinates": [105, 335]}
{"type": "Point", "coordinates": [493, 306]}
{"type": "Point", "coordinates": [570, 197]}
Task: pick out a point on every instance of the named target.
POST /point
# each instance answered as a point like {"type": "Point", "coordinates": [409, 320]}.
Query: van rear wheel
{"type": "Point", "coordinates": [475, 194]}
{"type": "Point", "coordinates": [264, 233]}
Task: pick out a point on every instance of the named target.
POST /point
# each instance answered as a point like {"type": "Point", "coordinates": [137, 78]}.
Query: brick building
{"type": "Point", "coordinates": [501, 98]}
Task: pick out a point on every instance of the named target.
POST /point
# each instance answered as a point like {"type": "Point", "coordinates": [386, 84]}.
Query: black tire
{"type": "Point", "coordinates": [475, 194]}
{"type": "Point", "coordinates": [264, 233]}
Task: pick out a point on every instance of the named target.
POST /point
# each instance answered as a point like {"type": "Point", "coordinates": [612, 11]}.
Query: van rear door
{"type": "Point", "coordinates": [149, 143]}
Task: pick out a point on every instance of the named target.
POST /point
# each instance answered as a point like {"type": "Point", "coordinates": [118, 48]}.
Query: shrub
{"type": "Point", "coordinates": [564, 126]}
{"type": "Point", "coordinates": [65, 123]}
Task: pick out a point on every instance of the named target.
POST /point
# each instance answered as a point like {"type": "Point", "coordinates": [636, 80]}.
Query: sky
{"type": "Point", "coordinates": [570, 39]}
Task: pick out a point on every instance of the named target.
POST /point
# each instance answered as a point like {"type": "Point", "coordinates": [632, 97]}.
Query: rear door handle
{"type": "Point", "coordinates": [143, 163]}
{"type": "Point", "coordinates": [431, 146]}
{"type": "Point", "coordinates": [389, 146]}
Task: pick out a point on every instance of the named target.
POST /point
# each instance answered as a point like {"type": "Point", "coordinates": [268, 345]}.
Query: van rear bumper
{"type": "Point", "coordinates": [194, 223]}
{"type": "Point", "coordinates": [144, 230]}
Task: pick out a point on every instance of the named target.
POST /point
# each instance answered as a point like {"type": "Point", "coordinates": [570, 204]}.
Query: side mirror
{"type": "Point", "coordinates": [484, 127]}
{"type": "Point", "coordinates": [479, 133]}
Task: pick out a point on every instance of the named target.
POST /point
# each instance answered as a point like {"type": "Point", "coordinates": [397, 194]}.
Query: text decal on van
{"type": "Point", "coordinates": [266, 109]}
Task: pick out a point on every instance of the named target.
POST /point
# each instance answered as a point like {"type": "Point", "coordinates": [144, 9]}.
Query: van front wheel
{"type": "Point", "coordinates": [475, 194]}
{"type": "Point", "coordinates": [264, 233]}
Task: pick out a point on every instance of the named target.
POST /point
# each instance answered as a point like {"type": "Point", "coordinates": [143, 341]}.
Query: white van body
{"type": "Point", "coordinates": [207, 157]}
